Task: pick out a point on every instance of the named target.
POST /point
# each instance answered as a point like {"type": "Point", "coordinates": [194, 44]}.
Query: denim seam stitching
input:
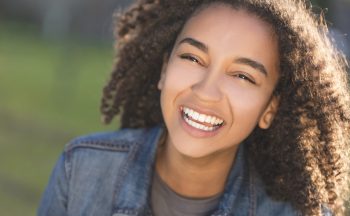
{"type": "Point", "coordinates": [117, 145]}
{"type": "Point", "coordinates": [66, 167]}
{"type": "Point", "coordinates": [252, 202]}
{"type": "Point", "coordinates": [123, 171]}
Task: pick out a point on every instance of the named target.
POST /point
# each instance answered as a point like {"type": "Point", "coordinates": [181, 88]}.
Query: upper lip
{"type": "Point", "coordinates": [203, 111]}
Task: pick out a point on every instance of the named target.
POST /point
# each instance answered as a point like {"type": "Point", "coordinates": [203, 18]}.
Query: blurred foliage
{"type": "Point", "coordinates": [49, 93]}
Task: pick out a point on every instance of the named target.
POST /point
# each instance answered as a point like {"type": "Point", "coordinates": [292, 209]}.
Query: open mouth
{"type": "Point", "coordinates": [201, 121]}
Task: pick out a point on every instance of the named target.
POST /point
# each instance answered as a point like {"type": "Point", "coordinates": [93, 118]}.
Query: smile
{"type": "Point", "coordinates": [201, 121]}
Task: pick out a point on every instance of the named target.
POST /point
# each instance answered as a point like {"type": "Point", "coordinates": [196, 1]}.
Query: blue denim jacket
{"type": "Point", "coordinates": [111, 174]}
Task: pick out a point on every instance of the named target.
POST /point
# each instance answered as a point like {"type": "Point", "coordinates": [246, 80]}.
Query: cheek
{"type": "Point", "coordinates": [246, 102]}
{"type": "Point", "coordinates": [179, 77]}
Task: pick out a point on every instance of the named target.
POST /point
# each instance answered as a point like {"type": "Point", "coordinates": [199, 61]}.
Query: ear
{"type": "Point", "coordinates": [269, 113]}
{"type": "Point", "coordinates": [162, 72]}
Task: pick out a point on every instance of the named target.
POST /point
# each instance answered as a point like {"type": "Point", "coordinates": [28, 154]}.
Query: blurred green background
{"type": "Point", "coordinates": [49, 93]}
{"type": "Point", "coordinates": [53, 66]}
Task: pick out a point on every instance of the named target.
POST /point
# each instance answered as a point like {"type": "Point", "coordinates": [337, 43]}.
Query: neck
{"type": "Point", "coordinates": [194, 177]}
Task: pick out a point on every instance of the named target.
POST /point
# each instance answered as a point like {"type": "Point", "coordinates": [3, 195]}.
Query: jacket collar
{"type": "Point", "coordinates": [133, 187]}
{"type": "Point", "coordinates": [239, 194]}
{"type": "Point", "coordinates": [134, 183]}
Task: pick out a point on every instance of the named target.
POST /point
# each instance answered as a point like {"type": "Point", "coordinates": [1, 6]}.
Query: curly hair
{"type": "Point", "coordinates": [303, 157]}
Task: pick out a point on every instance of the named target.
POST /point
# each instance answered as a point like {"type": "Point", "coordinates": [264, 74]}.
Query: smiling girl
{"type": "Point", "coordinates": [228, 107]}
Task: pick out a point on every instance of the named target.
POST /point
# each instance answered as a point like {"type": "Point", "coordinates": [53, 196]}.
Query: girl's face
{"type": "Point", "coordinates": [217, 84]}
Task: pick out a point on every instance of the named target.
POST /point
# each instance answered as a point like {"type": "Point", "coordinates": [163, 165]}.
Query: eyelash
{"type": "Point", "coordinates": [195, 60]}
{"type": "Point", "coordinates": [190, 58]}
{"type": "Point", "coordinates": [245, 77]}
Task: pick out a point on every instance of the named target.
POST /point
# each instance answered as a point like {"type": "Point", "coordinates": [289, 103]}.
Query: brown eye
{"type": "Point", "coordinates": [190, 58]}
{"type": "Point", "coordinates": [245, 77]}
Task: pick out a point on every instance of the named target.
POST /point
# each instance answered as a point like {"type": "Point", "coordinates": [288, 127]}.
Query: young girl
{"type": "Point", "coordinates": [228, 107]}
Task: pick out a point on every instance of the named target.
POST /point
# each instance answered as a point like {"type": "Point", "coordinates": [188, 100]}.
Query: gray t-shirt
{"type": "Point", "coordinates": [166, 202]}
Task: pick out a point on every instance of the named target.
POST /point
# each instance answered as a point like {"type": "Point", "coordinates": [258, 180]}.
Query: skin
{"type": "Point", "coordinates": [224, 63]}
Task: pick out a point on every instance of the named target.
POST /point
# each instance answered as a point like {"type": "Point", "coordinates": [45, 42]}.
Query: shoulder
{"type": "Point", "coordinates": [103, 152]}
{"type": "Point", "coordinates": [118, 141]}
{"type": "Point", "coordinates": [91, 169]}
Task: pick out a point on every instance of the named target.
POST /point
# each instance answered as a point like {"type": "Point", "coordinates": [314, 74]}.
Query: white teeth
{"type": "Point", "coordinates": [202, 118]}
{"type": "Point", "coordinates": [212, 120]}
{"type": "Point", "coordinates": [218, 121]}
{"type": "Point", "coordinates": [208, 119]}
{"type": "Point", "coordinates": [198, 126]}
{"type": "Point", "coordinates": [196, 116]}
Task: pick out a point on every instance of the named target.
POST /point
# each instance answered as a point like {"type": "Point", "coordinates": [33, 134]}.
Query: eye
{"type": "Point", "coordinates": [190, 58]}
{"type": "Point", "coordinates": [245, 77]}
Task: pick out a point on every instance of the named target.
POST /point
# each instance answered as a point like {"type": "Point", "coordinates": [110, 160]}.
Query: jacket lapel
{"type": "Point", "coordinates": [132, 190]}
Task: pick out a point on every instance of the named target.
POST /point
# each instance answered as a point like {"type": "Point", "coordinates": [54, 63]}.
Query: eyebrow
{"type": "Point", "coordinates": [254, 64]}
{"type": "Point", "coordinates": [195, 43]}
{"type": "Point", "coordinates": [242, 60]}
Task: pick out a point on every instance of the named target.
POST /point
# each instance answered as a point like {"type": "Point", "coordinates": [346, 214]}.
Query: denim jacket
{"type": "Point", "coordinates": [111, 173]}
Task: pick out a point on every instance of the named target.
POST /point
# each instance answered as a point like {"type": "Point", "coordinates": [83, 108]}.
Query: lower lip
{"type": "Point", "coordinates": [195, 132]}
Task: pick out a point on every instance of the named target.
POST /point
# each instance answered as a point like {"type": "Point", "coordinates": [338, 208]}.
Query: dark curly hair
{"type": "Point", "coordinates": [303, 157]}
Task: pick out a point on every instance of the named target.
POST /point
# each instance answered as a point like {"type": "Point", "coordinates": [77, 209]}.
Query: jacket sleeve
{"type": "Point", "coordinates": [54, 200]}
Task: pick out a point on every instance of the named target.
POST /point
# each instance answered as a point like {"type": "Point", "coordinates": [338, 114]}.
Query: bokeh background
{"type": "Point", "coordinates": [55, 57]}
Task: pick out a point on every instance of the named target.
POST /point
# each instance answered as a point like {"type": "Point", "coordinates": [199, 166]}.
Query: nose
{"type": "Point", "coordinates": [207, 89]}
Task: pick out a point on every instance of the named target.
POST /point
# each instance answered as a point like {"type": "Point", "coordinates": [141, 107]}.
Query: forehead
{"type": "Point", "coordinates": [217, 15]}
{"type": "Point", "coordinates": [232, 33]}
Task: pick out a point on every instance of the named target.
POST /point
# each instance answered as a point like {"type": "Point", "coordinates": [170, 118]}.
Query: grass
{"type": "Point", "coordinates": [49, 93]}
